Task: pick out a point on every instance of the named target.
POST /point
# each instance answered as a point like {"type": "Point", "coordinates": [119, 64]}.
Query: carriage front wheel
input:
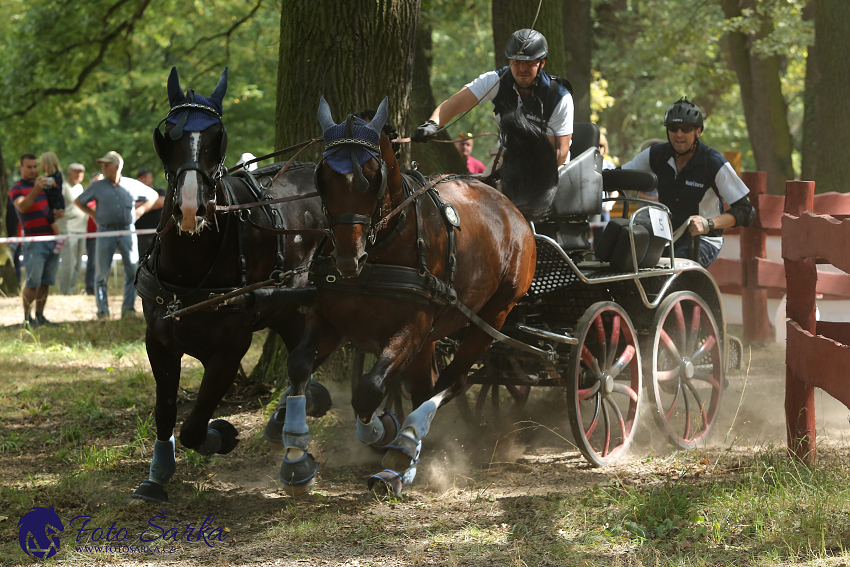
{"type": "Point", "coordinates": [604, 383]}
{"type": "Point", "coordinates": [685, 367]}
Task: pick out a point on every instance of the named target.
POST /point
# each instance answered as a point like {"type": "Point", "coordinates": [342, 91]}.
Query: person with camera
{"type": "Point", "coordinates": [30, 201]}
{"type": "Point", "coordinates": [545, 100]}
{"type": "Point", "coordinates": [694, 181]}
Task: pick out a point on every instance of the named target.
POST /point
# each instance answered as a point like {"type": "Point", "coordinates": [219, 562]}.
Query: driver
{"type": "Point", "coordinates": [693, 182]}
{"type": "Point", "coordinates": [546, 100]}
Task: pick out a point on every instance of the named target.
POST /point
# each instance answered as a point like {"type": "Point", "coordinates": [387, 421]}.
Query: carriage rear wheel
{"type": "Point", "coordinates": [604, 383]}
{"type": "Point", "coordinates": [686, 369]}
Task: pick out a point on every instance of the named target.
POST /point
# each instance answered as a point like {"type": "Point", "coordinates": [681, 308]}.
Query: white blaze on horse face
{"type": "Point", "coordinates": [191, 187]}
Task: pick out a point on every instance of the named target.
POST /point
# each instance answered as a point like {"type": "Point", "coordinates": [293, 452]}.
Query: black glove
{"type": "Point", "coordinates": [425, 131]}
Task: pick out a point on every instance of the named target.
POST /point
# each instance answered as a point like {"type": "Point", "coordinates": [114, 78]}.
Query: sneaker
{"type": "Point", "coordinates": [43, 322]}
{"type": "Point", "coordinates": [103, 316]}
{"type": "Point", "coordinates": [128, 313]}
{"type": "Point", "coordinates": [60, 244]}
{"type": "Point", "coordinates": [29, 323]}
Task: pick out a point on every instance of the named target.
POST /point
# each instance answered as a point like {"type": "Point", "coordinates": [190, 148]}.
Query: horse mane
{"type": "Point", "coordinates": [529, 171]}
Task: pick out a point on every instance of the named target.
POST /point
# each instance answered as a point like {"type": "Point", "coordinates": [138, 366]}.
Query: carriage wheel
{"type": "Point", "coordinates": [604, 383]}
{"type": "Point", "coordinates": [686, 369]}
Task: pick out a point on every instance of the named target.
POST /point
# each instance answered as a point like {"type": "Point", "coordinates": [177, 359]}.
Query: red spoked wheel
{"type": "Point", "coordinates": [686, 369]}
{"type": "Point", "coordinates": [604, 383]}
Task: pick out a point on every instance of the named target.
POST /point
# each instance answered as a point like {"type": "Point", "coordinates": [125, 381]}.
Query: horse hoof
{"type": "Point", "coordinates": [402, 454]}
{"type": "Point", "coordinates": [273, 433]}
{"type": "Point", "coordinates": [228, 435]}
{"type": "Point", "coordinates": [151, 491]}
{"type": "Point", "coordinates": [389, 480]}
{"type": "Point", "coordinates": [318, 400]}
{"type": "Point", "coordinates": [391, 429]}
{"type": "Point", "coordinates": [298, 477]}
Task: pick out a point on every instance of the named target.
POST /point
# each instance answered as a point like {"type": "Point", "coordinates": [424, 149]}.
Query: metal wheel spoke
{"type": "Point", "coordinates": [705, 348]}
{"type": "Point", "coordinates": [482, 398]}
{"type": "Point", "coordinates": [592, 427]}
{"type": "Point", "coordinates": [590, 361]}
{"type": "Point", "coordinates": [700, 404]}
{"type": "Point", "coordinates": [607, 419]}
{"type": "Point", "coordinates": [494, 399]}
{"type": "Point", "coordinates": [706, 375]}
{"type": "Point", "coordinates": [599, 325]}
{"type": "Point", "coordinates": [668, 343]}
{"type": "Point", "coordinates": [626, 390]}
{"type": "Point", "coordinates": [694, 334]}
{"type": "Point", "coordinates": [615, 341]}
{"type": "Point", "coordinates": [620, 421]}
{"type": "Point", "coordinates": [586, 393]}
{"type": "Point", "coordinates": [672, 407]}
{"type": "Point", "coordinates": [687, 413]}
{"type": "Point", "coordinates": [667, 375]}
{"type": "Point", "coordinates": [624, 360]}
{"type": "Point", "coordinates": [680, 323]}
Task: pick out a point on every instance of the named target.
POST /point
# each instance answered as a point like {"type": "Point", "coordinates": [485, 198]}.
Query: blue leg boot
{"type": "Point", "coordinates": [298, 470]}
{"type": "Point", "coordinates": [163, 465]}
{"type": "Point", "coordinates": [318, 404]}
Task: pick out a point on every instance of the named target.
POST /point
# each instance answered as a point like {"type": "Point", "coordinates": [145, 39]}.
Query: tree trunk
{"type": "Point", "coordinates": [433, 156]}
{"type": "Point", "coordinates": [761, 94]}
{"type": "Point", "coordinates": [353, 53]}
{"type": "Point", "coordinates": [832, 37]}
{"type": "Point", "coordinates": [9, 284]}
{"type": "Point", "coordinates": [808, 147]}
{"type": "Point", "coordinates": [578, 26]}
{"type": "Point", "coordinates": [512, 15]}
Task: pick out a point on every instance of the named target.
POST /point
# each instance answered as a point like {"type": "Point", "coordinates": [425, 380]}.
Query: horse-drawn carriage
{"type": "Point", "coordinates": [407, 269]}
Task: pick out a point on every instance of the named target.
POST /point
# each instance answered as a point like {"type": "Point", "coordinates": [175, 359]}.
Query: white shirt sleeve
{"type": "Point", "coordinates": [481, 87]}
{"type": "Point", "coordinates": [729, 184]}
{"type": "Point", "coordinates": [561, 121]}
{"type": "Point", "coordinates": [139, 190]}
{"type": "Point", "coordinates": [640, 162]}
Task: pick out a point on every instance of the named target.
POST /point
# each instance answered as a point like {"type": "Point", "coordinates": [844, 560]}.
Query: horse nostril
{"type": "Point", "coordinates": [362, 260]}
{"type": "Point", "coordinates": [202, 211]}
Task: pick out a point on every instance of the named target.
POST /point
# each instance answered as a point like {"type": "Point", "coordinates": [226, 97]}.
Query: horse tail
{"type": "Point", "coordinates": [529, 171]}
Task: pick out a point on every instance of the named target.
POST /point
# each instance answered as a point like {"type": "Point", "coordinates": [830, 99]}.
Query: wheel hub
{"type": "Point", "coordinates": [688, 368]}
{"type": "Point", "coordinates": [607, 383]}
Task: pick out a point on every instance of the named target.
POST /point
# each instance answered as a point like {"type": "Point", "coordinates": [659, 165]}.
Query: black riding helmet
{"type": "Point", "coordinates": [526, 45]}
{"type": "Point", "coordinates": [685, 112]}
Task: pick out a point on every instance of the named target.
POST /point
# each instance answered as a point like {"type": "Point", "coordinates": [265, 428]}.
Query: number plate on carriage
{"type": "Point", "coordinates": [660, 225]}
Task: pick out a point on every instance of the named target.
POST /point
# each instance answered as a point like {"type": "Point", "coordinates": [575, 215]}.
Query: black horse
{"type": "Point", "coordinates": [199, 252]}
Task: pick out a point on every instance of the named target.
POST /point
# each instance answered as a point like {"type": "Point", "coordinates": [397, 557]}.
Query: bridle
{"type": "Point", "coordinates": [361, 184]}
{"type": "Point", "coordinates": [177, 132]}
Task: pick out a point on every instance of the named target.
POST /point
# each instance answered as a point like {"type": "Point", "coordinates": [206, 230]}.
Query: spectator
{"type": "Point", "coordinates": [120, 201]}
{"type": "Point", "coordinates": [53, 190]}
{"type": "Point", "coordinates": [151, 218]}
{"type": "Point", "coordinates": [245, 158]}
{"type": "Point", "coordinates": [646, 144]}
{"type": "Point", "coordinates": [607, 206]}
{"type": "Point", "coordinates": [13, 229]}
{"type": "Point", "coordinates": [91, 242]}
{"type": "Point", "coordinates": [463, 143]}
{"type": "Point", "coordinates": [28, 198]}
{"type": "Point", "coordinates": [74, 222]}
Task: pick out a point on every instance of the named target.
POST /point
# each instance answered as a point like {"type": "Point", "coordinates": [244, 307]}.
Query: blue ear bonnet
{"type": "Point", "coordinates": [340, 161]}
{"type": "Point", "coordinates": [198, 120]}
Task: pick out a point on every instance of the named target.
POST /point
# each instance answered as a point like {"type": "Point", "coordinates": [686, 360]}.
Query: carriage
{"type": "Point", "coordinates": [606, 328]}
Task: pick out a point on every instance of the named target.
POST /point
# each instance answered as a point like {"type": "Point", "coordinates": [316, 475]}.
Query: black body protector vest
{"type": "Point", "coordinates": [539, 105]}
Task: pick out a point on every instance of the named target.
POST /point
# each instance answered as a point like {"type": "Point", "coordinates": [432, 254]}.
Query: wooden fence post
{"type": "Point", "coordinates": [801, 280]}
{"type": "Point", "coordinates": [757, 327]}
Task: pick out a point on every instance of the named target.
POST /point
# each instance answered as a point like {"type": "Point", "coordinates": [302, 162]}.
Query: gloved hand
{"type": "Point", "coordinates": [698, 225]}
{"type": "Point", "coordinates": [425, 131]}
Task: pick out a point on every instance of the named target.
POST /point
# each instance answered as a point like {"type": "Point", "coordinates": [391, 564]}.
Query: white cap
{"type": "Point", "coordinates": [247, 156]}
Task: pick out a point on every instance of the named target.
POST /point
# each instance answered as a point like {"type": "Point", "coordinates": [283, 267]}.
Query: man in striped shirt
{"type": "Point", "coordinates": [40, 262]}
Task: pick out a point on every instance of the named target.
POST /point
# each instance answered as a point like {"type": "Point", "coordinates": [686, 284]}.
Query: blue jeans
{"type": "Point", "coordinates": [105, 249]}
{"type": "Point", "coordinates": [707, 252]}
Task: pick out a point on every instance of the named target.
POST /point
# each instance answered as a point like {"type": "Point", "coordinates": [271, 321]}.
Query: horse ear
{"type": "Point", "coordinates": [175, 93]}
{"type": "Point", "coordinates": [377, 123]}
{"type": "Point", "coordinates": [325, 119]}
{"type": "Point", "coordinates": [221, 87]}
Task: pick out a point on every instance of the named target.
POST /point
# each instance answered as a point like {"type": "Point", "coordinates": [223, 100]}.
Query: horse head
{"type": "Point", "coordinates": [192, 150]}
{"type": "Point", "coordinates": [352, 180]}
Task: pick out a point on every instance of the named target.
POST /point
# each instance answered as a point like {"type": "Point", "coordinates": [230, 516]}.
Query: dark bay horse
{"type": "Point", "coordinates": [200, 252]}
{"type": "Point", "coordinates": [394, 290]}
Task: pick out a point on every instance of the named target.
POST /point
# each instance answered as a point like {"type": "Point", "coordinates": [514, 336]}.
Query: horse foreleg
{"type": "Point", "coordinates": [298, 470]}
{"type": "Point", "coordinates": [166, 369]}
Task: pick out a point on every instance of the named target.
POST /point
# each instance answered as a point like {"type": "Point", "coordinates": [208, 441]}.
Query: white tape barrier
{"type": "Point", "coordinates": [49, 237]}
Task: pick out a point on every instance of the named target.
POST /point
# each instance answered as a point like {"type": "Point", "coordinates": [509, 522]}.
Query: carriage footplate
{"type": "Point", "coordinates": [298, 476]}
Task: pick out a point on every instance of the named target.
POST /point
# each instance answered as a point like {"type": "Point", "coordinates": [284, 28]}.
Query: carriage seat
{"type": "Point", "coordinates": [579, 192]}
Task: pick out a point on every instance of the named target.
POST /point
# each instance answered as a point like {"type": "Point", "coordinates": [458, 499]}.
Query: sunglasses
{"type": "Point", "coordinates": [685, 129]}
